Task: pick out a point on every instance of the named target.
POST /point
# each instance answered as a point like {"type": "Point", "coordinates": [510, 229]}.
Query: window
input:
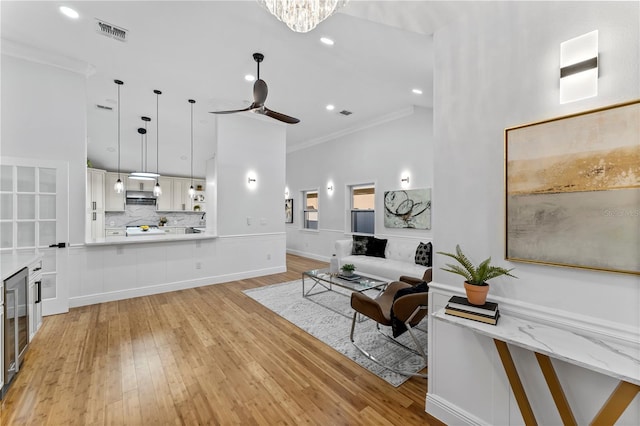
{"type": "Point", "coordinates": [310, 209]}
{"type": "Point", "coordinates": [363, 209]}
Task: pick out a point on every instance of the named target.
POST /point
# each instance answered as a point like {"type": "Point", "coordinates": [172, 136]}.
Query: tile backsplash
{"type": "Point", "coordinates": [147, 215]}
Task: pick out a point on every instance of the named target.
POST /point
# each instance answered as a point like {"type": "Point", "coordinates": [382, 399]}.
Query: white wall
{"type": "Point", "coordinates": [497, 70]}
{"type": "Point", "coordinates": [379, 155]}
{"type": "Point", "coordinates": [44, 116]}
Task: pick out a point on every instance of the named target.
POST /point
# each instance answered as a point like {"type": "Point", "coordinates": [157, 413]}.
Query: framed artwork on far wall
{"type": "Point", "coordinates": [410, 208]}
{"type": "Point", "coordinates": [572, 190]}
{"type": "Point", "coordinates": [288, 210]}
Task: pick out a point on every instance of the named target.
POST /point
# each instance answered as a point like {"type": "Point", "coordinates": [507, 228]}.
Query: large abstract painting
{"type": "Point", "coordinates": [573, 190]}
{"type": "Point", "coordinates": [408, 209]}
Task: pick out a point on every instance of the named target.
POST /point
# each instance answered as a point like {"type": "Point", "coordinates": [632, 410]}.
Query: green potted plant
{"type": "Point", "coordinates": [347, 269]}
{"type": "Point", "coordinates": [476, 277]}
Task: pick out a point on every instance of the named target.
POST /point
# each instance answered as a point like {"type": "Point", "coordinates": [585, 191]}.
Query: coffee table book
{"type": "Point", "coordinates": [457, 302]}
{"type": "Point", "coordinates": [488, 319]}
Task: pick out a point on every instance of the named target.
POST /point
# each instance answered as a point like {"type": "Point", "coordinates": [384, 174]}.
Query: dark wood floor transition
{"type": "Point", "coordinates": [208, 355]}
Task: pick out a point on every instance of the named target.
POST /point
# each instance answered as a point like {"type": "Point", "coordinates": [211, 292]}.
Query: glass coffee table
{"type": "Point", "coordinates": [322, 282]}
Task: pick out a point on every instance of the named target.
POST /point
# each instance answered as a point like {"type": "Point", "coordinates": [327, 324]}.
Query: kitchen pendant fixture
{"type": "Point", "coordinates": [156, 189]}
{"type": "Point", "coordinates": [143, 175]}
{"type": "Point", "coordinates": [302, 16]}
{"type": "Point", "coordinates": [118, 187]}
{"type": "Point", "coordinates": [192, 191]}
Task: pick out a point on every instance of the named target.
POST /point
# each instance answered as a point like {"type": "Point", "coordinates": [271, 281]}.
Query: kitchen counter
{"type": "Point", "coordinates": [118, 240]}
{"type": "Point", "coordinates": [10, 263]}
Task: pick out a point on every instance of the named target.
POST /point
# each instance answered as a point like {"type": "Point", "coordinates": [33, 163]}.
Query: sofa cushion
{"type": "Point", "coordinates": [376, 247]}
{"type": "Point", "coordinates": [360, 244]}
{"type": "Point", "coordinates": [385, 268]}
{"type": "Point", "coordinates": [424, 254]}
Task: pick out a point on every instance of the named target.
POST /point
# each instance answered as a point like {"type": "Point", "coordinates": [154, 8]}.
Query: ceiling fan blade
{"type": "Point", "coordinates": [282, 117]}
{"type": "Point", "coordinates": [249, 108]}
{"type": "Point", "coordinates": [260, 91]}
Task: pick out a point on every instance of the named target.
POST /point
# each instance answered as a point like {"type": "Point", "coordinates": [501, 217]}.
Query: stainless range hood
{"type": "Point", "coordinates": [141, 198]}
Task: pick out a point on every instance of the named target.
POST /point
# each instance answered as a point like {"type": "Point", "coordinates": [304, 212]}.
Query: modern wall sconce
{"type": "Point", "coordinates": [330, 188]}
{"type": "Point", "coordinates": [405, 179]}
{"type": "Point", "coordinates": [579, 68]}
{"type": "Point", "coordinates": [251, 180]}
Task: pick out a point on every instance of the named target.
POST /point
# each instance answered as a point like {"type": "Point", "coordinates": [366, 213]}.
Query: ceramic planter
{"type": "Point", "coordinates": [476, 294]}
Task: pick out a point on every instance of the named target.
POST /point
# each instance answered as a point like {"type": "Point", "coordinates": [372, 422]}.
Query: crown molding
{"type": "Point", "coordinates": [34, 54]}
{"type": "Point", "coordinates": [376, 122]}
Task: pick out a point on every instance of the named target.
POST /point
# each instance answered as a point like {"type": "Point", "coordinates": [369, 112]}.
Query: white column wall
{"type": "Point", "coordinates": [379, 155]}
{"type": "Point", "coordinates": [496, 70]}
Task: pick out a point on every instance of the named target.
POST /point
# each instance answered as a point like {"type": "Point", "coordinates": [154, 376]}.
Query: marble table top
{"type": "Point", "coordinates": [615, 359]}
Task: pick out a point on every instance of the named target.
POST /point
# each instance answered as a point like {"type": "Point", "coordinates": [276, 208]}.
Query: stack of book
{"type": "Point", "coordinates": [460, 307]}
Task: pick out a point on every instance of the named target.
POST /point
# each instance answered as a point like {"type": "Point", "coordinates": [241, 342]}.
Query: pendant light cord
{"type": "Point", "coordinates": [118, 83]}
{"type": "Point", "coordinates": [191, 101]}
{"type": "Point", "coordinates": [158, 93]}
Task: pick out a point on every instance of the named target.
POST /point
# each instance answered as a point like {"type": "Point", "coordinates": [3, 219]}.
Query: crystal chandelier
{"type": "Point", "coordinates": [302, 15]}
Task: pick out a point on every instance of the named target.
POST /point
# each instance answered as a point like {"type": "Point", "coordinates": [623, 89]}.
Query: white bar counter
{"type": "Point", "coordinates": [142, 239]}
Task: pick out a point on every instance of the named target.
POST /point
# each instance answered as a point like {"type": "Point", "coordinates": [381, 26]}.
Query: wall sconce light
{"type": "Point", "coordinates": [405, 179]}
{"type": "Point", "coordinates": [330, 188]}
{"type": "Point", "coordinates": [579, 68]}
{"type": "Point", "coordinates": [251, 180]}
{"type": "Point", "coordinates": [286, 193]}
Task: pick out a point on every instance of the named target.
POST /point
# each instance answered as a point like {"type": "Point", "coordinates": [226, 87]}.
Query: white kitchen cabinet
{"type": "Point", "coordinates": [1, 335]}
{"type": "Point", "coordinates": [139, 185]}
{"type": "Point", "coordinates": [164, 201]}
{"type": "Point", "coordinates": [113, 202]}
{"type": "Point", "coordinates": [182, 200]}
{"type": "Point", "coordinates": [34, 298]}
{"type": "Point", "coordinates": [95, 203]}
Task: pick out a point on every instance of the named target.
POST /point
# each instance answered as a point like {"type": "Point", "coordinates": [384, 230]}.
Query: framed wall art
{"type": "Point", "coordinates": [288, 210]}
{"type": "Point", "coordinates": [572, 188]}
{"type": "Point", "coordinates": [409, 208]}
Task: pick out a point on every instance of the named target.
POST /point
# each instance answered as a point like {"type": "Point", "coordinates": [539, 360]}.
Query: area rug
{"type": "Point", "coordinates": [319, 317]}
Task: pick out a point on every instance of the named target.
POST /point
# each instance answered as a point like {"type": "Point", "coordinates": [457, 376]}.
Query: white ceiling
{"type": "Point", "coordinates": [203, 49]}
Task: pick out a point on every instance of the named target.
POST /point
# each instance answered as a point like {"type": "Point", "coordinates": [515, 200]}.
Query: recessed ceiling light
{"type": "Point", "coordinates": [326, 41]}
{"type": "Point", "coordinates": [330, 107]}
{"type": "Point", "coordinates": [417, 91]}
{"type": "Point", "coordinates": [67, 11]}
{"type": "Point", "coordinates": [249, 77]}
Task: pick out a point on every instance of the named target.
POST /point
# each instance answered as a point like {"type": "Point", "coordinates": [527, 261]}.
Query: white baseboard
{"type": "Point", "coordinates": [111, 296]}
{"type": "Point", "coordinates": [308, 255]}
{"type": "Point", "coordinates": [449, 413]}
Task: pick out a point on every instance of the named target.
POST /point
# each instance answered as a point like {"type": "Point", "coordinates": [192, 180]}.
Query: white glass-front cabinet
{"type": "Point", "coordinates": [95, 203]}
{"type": "Point", "coordinates": [164, 201]}
{"type": "Point", "coordinates": [175, 195]}
{"type": "Point", "coordinates": [113, 202]}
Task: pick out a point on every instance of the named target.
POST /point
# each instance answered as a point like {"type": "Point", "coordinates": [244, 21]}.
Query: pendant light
{"type": "Point", "coordinates": [192, 191]}
{"type": "Point", "coordinates": [156, 189]}
{"type": "Point", "coordinates": [118, 187]}
{"type": "Point", "coordinates": [143, 175]}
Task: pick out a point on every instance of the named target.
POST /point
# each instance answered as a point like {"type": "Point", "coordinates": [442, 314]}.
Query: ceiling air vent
{"type": "Point", "coordinates": [108, 108]}
{"type": "Point", "coordinates": [111, 31]}
{"type": "Point", "coordinates": [345, 112]}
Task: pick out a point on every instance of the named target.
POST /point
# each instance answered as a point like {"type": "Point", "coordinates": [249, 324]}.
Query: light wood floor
{"type": "Point", "coordinates": [209, 355]}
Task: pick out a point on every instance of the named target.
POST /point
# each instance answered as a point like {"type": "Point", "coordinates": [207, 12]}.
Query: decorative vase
{"type": "Point", "coordinates": [333, 265]}
{"type": "Point", "coordinates": [476, 294]}
{"type": "Point", "coordinates": [347, 273]}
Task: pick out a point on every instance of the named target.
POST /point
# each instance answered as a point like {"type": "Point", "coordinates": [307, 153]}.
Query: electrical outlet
{"type": "Point", "coordinates": [198, 265]}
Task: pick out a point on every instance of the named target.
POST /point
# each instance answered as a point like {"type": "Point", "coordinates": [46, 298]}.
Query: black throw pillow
{"type": "Point", "coordinates": [360, 244]}
{"type": "Point", "coordinates": [376, 247]}
{"type": "Point", "coordinates": [424, 254]}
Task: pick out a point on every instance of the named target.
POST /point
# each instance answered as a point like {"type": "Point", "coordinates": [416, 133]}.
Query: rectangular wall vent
{"type": "Point", "coordinates": [111, 31]}
{"type": "Point", "coordinates": [345, 112]}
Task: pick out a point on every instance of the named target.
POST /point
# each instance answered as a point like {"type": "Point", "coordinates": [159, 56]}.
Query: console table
{"type": "Point", "coordinates": [612, 359]}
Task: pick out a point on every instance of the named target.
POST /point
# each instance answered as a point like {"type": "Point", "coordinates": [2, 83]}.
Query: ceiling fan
{"type": "Point", "coordinates": [259, 96]}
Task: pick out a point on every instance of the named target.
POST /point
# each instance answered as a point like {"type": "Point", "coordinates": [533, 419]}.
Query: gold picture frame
{"type": "Point", "coordinates": [572, 190]}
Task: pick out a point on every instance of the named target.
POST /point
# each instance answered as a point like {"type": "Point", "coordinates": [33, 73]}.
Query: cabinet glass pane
{"type": "Point", "coordinates": [47, 207]}
{"type": "Point", "coordinates": [6, 206]}
{"type": "Point", "coordinates": [26, 179]}
{"type": "Point", "coordinates": [6, 178]}
{"type": "Point", "coordinates": [6, 235]}
{"type": "Point", "coordinates": [26, 234]}
{"type": "Point", "coordinates": [26, 206]}
{"type": "Point", "coordinates": [48, 286]}
{"type": "Point", "coordinates": [47, 233]}
{"type": "Point", "coordinates": [47, 180]}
